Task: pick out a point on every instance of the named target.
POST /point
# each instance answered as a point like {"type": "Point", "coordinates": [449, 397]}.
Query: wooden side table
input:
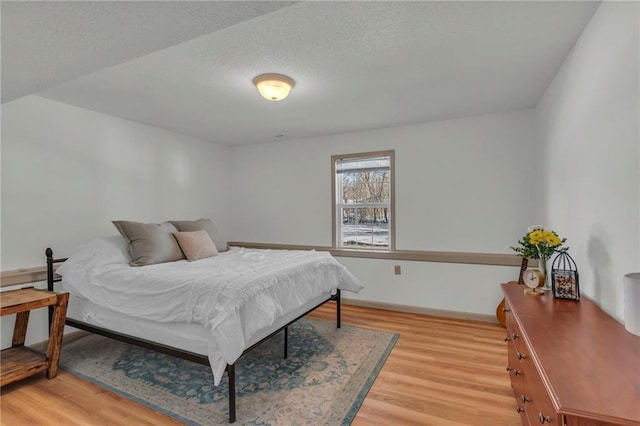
{"type": "Point", "coordinates": [19, 362]}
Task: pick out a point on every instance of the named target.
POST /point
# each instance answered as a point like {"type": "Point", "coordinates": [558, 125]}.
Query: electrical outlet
{"type": "Point", "coordinates": [397, 270]}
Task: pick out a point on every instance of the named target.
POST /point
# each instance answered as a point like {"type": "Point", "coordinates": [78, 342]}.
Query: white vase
{"type": "Point", "coordinates": [542, 264]}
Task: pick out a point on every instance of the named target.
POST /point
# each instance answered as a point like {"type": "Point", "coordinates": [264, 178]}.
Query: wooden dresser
{"type": "Point", "coordinates": [570, 363]}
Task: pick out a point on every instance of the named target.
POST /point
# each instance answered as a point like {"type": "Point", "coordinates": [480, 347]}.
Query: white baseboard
{"type": "Point", "coordinates": [66, 338]}
{"type": "Point", "coordinates": [422, 311]}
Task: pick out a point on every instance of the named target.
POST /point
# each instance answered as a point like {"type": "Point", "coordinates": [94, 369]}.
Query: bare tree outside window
{"type": "Point", "coordinates": [363, 201]}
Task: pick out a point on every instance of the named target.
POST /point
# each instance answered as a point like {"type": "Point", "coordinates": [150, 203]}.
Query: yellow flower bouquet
{"type": "Point", "coordinates": [539, 243]}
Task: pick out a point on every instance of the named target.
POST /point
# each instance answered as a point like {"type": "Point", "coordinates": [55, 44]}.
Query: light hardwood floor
{"type": "Point", "coordinates": [440, 372]}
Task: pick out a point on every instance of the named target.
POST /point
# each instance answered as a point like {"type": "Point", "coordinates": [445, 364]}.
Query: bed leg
{"type": "Point", "coordinates": [231, 376]}
{"type": "Point", "coordinates": [286, 342]}
{"type": "Point", "coordinates": [338, 308]}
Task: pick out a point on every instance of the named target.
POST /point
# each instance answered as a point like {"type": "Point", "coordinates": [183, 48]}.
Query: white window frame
{"type": "Point", "coordinates": [337, 204]}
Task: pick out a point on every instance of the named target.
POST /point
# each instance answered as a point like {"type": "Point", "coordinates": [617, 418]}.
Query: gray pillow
{"type": "Point", "coordinates": [149, 243]}
{"type": "Point", "coordinates": [207, 225]}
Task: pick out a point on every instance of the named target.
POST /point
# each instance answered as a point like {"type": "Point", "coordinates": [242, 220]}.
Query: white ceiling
{"type": "Point", "coordinates": [188, 66]}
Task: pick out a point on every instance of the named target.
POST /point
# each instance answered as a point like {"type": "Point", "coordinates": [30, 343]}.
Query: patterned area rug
{"type": "Point", "coordinates": [323, 381]}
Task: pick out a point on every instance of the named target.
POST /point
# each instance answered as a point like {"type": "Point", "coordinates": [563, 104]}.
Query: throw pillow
{"type": "Point", "coordinates": [196, 244]}
{"type": "Point", "coordinates": [207, 225]}
{"type": "Point", "coordinates": [149, 243]}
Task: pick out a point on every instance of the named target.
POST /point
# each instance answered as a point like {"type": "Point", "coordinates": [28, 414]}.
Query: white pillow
{"type": "Point", "coordinates": [97, 252]}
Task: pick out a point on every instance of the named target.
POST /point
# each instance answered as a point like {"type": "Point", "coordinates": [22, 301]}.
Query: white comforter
{"type": "Point", "coordinates": [264, 284]}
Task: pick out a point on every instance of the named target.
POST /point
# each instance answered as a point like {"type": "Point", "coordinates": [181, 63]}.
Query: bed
{"type": "Point", "coordinates": [209, 311]}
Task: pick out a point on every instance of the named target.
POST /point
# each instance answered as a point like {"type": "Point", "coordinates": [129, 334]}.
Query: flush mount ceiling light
{"type": "Point", "coordinates": [274, 87]}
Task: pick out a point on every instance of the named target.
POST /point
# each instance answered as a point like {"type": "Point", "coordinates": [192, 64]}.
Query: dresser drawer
{"type": "Point", "coordinates": [514, 363]}
{"type": "Point", "coordinates": [538, 406]}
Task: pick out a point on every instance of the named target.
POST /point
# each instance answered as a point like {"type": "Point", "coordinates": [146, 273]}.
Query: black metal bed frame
{"type": "Point", "coordinates": [179, 353]}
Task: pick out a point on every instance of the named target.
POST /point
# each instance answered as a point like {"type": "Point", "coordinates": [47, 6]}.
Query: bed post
{"type": "Point", "coordinates": [49, 253]}
{"type": "Point", "coordinates": [231, 376]}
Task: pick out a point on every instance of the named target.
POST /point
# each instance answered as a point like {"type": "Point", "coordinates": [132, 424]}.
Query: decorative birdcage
{"type": "Point", "coordinates": [565, 283]}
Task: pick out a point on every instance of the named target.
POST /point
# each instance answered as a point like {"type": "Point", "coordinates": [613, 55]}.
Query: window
{"type": "Point", "coordinates": [363, 201]}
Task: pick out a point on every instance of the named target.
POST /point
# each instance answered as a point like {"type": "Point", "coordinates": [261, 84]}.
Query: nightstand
{"type": "Point", "coordinates": [19, 362]}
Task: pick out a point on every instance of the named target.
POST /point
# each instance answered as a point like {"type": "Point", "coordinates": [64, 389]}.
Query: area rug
{"type": "Point", "coordinates": [323, 381]}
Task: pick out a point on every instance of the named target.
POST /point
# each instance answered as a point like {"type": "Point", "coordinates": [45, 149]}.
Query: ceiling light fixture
{"type": "Point", "coordinates": [274, 87]}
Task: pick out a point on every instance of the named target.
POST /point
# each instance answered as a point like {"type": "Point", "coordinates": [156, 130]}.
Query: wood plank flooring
{"type": "Point", "coordinates": [441, 372]}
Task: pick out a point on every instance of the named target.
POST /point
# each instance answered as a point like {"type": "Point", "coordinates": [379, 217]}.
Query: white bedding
{"type": "Point", "coordinates": [212, 292]}
{"type": "Point", "coordinates": [188, 337]}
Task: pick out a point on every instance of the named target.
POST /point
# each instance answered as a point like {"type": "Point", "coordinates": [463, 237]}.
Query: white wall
{"type": "Point", "coordinates": [461, 185]}
{"type": "Point", "coordinates": [589, 127]}
{"type": "Point", "coordinates": [67, 172]}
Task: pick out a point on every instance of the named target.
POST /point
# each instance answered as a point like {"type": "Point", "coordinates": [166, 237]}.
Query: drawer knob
{"type": "Point", "coordinates": [519, 409]}
{"type": "Point", "coordinates": [506, 338]}
{"type": "Point", "coordinates": [525, 399]}
{"type": "Point", "coordinates": [543, 419]}
{"type": "Point", "coordinates": [515, 336]}
{"type": "Point", "coordinates": [520, 355]}
{"type": "Point", "coordinates": [506, 310]}
{"type": "Point", "coordinates": [514, 371]}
